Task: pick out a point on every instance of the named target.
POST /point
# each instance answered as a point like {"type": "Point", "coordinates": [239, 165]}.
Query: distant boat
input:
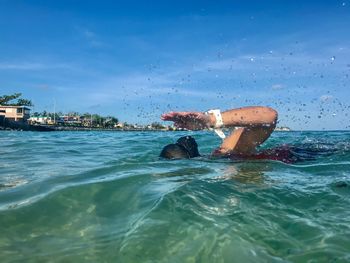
{"type": "Point", "coordinates": [282, 129]}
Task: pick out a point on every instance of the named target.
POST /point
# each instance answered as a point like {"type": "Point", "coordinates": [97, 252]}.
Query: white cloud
{"type": "Point", "coordinates": [89, 34]}
{"type": "Point", "coordinates": [277, 86]}
{"type": "Point", "coordinates": [299, 63]}
{"type": "Point", "coordinates": [21, 66]}
{"type": "Point", "coordinates": [139, 86]}
{"type": "Point", "coordinates": [326, 98]}
{"type": "Point", "coordinates": [91, 37]}
{"type": "Point", "coordinates": [35, 66]}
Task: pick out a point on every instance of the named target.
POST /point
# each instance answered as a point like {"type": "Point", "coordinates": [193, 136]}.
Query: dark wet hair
{"type": "Point", "coordinates": [185, 148]}
{"type": "Point", "coordinates": [190, 145]}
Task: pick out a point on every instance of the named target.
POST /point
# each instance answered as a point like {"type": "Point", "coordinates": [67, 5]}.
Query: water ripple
{"type": "Point", "coordinates": [110, 197]}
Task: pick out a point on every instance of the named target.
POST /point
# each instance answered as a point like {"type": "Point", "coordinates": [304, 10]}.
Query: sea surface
{"type": "Point", "coordinates": [108, 197]}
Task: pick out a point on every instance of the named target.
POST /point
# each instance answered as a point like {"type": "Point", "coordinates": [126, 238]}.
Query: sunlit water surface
{"type": "Point", "coordinates": [107, 197]}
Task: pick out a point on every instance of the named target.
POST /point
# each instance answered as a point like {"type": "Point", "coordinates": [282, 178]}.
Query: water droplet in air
{"type": "Point", "coordinates": [333, 58]}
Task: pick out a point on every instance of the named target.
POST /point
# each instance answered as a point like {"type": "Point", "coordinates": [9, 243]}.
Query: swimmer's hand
{"type": "Point", "coordinates": [190, 120]}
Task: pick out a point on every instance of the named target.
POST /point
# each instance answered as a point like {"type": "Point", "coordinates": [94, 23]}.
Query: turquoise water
{"type": "Point", "coordinates": [107, 197]}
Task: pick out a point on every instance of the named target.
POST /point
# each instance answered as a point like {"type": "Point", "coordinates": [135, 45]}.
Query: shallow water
{"type": "Point", "coordinates": [107, 197]}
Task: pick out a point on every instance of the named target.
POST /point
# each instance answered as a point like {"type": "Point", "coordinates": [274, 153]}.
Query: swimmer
{"type": "Point", "coordinates": [252, 126]}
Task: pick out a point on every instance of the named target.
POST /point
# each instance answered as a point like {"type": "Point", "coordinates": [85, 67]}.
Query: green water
{"type": "Point", "coordinates": [107, 197]}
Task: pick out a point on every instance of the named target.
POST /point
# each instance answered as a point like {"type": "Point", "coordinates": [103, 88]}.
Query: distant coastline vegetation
{"type": "Point", "coordinates": [76, 120]}
{"type": "Point", "coordinates": [15, 114]}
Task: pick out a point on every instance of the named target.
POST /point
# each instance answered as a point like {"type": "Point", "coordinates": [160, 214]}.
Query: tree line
{"type": "Point", "coordinates": [87, 119]}
{"type": "Point", "coordinates": [15, 100]}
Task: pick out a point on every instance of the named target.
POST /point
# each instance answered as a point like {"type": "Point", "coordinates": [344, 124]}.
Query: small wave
{"type": "Point", "coordinates": [11, 184]}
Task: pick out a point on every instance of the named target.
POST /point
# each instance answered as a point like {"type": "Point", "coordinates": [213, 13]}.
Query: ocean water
{"type": "Point", "coordinates": [107, 197]}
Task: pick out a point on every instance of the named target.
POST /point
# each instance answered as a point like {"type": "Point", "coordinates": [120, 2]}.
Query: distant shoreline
{"type": "Point", "coordinates": [79, 129]}
{"type": "Point", "coordinates": [48, 128]}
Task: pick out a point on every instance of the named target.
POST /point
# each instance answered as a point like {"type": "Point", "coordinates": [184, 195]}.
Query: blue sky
{"type": "Point", "coordinates": [138, 59]}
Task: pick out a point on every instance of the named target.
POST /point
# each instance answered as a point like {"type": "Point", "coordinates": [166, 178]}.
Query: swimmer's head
{"type": "Point", "coordinates": [190, 145]}
{"type": "Point", "coordinates": [185, 148]}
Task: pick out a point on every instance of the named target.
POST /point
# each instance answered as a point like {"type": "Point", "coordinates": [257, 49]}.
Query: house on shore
{"type": "Point", "coordinates": [15, 113]}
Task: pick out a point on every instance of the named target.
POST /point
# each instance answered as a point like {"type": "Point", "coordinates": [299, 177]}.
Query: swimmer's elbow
{"type": "Point", "coordinates": [272, 115]}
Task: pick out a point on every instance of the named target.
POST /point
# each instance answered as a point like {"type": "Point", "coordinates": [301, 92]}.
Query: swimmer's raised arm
{"type": "Point", "coordinates": [255, 124]}
{"type": "Point", "coordinates": [241, 117]}
{"type": "Point", "coordinates": [248, 117]}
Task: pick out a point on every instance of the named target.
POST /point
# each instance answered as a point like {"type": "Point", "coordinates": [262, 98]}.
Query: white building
{"type": "Point", "coordinates": [40, 120]}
